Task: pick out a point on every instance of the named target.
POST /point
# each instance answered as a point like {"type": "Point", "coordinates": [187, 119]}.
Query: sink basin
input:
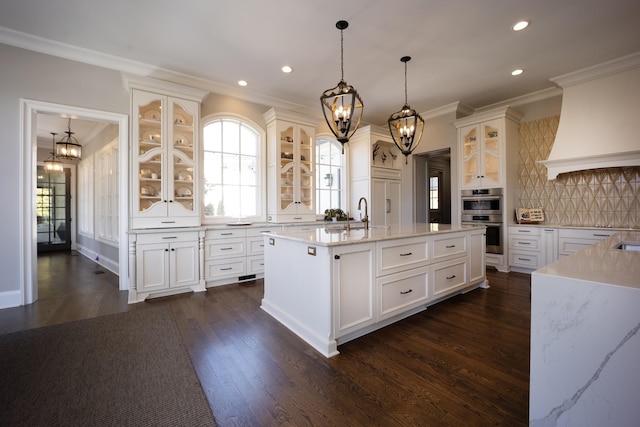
{"type": "Point", "coordinates": [628, 246]}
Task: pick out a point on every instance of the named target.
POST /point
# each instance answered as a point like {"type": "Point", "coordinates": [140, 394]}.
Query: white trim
{"type": "Point", "coordinates": [454, 107]}
{"type": "Point", "coordinates": [99, 259]}
{"type": "Point", "coordinates": [600, 70]}
{"type": "Point", "coordinates": [28, 245]}
{"type": "Point", "coordinates": [529, 98]}
{"type": "Point", "coordinates": [558, 166]}
{"type": "Point", "coordinates": [10, 299]}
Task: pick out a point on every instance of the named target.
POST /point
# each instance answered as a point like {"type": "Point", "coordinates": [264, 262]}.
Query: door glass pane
{"type": "Point", "coordinates": [52, 210]}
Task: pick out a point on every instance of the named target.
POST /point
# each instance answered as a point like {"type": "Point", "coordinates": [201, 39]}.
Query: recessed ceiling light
{"type": "Point", "coordinates": [287, 69]}
{"type": "Point", "coordinates": [520, 25]}
{"type": "Point", "coordinates": [517, 72]}
{"type": "Point", "coordinates": [242, 82]}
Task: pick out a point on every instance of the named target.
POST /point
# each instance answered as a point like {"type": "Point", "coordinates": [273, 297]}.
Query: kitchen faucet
{"type": "Point", "coordinates": [366, 213]}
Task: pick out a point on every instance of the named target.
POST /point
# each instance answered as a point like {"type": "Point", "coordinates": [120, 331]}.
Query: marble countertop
{"type": "Point", "coordinates": [335, 236]}
{"type": "Point", "coordinates": [602, 262]}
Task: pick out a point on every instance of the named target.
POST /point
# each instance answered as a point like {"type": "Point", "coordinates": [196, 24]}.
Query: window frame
{"type": "Point", "coordinates": [344, 179]}
{"type": "Point", "coordinates": [261, 173]}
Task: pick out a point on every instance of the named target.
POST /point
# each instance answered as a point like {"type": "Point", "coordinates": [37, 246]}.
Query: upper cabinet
{"type": "Point", "coordinates": [484, 142]}
{"type": "Point", "coordinates": [165, 128]}
{"type": "Point", "coordinates": [290, 167]}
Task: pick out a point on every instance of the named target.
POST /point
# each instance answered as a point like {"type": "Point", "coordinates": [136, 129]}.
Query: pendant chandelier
{"type": "Point", "coordinates": [341, 105]}
{"type": "Point", "coordinates": [52, 164]}
{"type": "Point", "coordinates": [406, 125]}
{"type": "Point", "coordinates": [68, 147]}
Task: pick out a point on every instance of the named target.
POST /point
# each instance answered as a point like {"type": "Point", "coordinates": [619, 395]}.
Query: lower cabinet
{"type": "Point", "coordinates": [402, 291]}
{"type": "Point", "coordinates": [165, 263]}
{"type": "Point", "coordinates": [353, 282]}
{"type": "Point", "coordinates": [449, 277]}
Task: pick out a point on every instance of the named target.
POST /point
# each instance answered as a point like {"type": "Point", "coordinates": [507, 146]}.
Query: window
{"type": "Point", "coordinates": [329, 168]}
{"type": "Point", "coordinates": [232, 170]}
{"type": "Point", "coordinates": [106, 193]}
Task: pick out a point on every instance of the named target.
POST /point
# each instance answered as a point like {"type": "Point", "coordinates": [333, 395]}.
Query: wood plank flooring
{"type": "Point", "coordinates": [464, 361]}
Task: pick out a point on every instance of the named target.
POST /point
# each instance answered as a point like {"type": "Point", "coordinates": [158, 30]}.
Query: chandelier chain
{"type": "Point", "coordinates": [341, 55]}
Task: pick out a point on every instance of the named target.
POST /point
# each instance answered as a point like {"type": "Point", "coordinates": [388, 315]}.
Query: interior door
{"type": "Point", "coordinates": [53, 210]}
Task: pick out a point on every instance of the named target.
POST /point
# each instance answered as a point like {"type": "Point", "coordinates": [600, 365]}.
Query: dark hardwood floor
{"type": "Point", "coordinates": [462, 362]}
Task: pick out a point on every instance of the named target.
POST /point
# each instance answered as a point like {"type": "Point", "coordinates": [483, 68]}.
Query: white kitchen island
{"type": "Point", "coordinates": [330, 286]}
{"type": "Point", "coordinates": [585, 340]}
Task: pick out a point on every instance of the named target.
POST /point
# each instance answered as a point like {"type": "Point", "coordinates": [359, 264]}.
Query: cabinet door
{"type": "Point", "coordinates": [152, 267]}
{"type": "Point", "coordinates": [353, 288]}
{"type": "Point", "coordinates": [477, 247]}
{"type": "Point", "coordinates": [470, 155]}
{"type": "Point", "coordinates": [149, 150]}
{"type": "Point", "coordinates": [184, 265]}
{"type": "Point", "coordinates": [385, 202]}
{"type": "Point", "coordinates": [182, 157]}
{"type": "Point", "coordinates": [491, 153]}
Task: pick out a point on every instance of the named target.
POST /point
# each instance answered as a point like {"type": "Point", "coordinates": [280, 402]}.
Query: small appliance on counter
{"type": "Point", "coordinates": [529, 215]}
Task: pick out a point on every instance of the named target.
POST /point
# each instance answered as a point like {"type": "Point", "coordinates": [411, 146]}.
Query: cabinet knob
{"type": "Point", "coordinates": [336, 257]}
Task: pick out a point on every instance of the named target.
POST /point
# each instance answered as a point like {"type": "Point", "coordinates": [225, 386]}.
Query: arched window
{"type": "Point", "coordinates": [329, 175]}
{"type": "Point", "coordinates": [233, 182]}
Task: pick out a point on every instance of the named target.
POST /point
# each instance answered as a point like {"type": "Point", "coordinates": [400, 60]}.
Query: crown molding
{"type": "Point", "coordinates": [600, 70]}
{"type": "Point", "coordinates": [74, 53]}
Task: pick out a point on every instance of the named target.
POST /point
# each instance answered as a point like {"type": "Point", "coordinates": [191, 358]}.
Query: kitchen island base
{"type": "Point", "coordinates": [329, 288]}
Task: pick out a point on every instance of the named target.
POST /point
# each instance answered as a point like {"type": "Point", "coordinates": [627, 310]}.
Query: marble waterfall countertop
{"type": "Point", "coordinates": [336, 235]}
{"type": "Point", "coordinates": [602, 262]}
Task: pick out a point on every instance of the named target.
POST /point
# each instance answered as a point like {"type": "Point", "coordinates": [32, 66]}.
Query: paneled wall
{"type": "Point", "coordinates": [595, 197]}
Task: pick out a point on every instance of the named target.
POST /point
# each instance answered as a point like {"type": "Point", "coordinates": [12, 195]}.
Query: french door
{"type": "Point", "coordinates": [53, 207]}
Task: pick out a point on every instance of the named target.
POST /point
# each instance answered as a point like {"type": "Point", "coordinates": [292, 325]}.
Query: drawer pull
{"type": "Point", "coordinates": [524, 259]}
{"type": "Point", "coordinates": [226, 234]}
{"type": "Point", "coordinates": [600, 235]}
{"type": "Point", "coordinates": [407, 254]}
{"type": "Point", "coordinates": [524, 243]}
{"type": "Point", "coordinates": [262, 246]}
{"type": "Point", "coordinates": [167, 222]}
{"type": "Point", "coordinates": [450, 246]}
{"type": "Point", "coordinates": [225, 249]}
{"type": "Point", "coordinates": [524, 231]}
{"type": "Point", "coordinates": [406, 292]}
{"type": "Point", "coordinates": [226, 269]}
{"type": "Point", "coordinates": [169, 237]}
{"type": "Point", "coordinates": [451, 277]}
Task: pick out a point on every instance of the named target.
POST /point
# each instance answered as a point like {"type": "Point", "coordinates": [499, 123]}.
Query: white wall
{"type": "Point", "coordinates": [39, 77]}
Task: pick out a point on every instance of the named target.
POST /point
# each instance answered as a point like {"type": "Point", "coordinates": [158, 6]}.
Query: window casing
{"type": "Point", "coordinates": [329, 175]}
{"type": "Point", "coordinates": [233, 172]}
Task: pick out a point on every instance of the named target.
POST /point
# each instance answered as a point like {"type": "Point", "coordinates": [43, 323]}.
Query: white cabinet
{"type": "Point", "coordinates": [525, 248]}
{"type": "Point", "coordinates": [385, 201]}
{"type": "Point", "coordinates": [394, 256]}
{"type": "Point", "coordinates": [290, 167]}
{"type": "Point", "coordinates": [234, 254]}
{"type": "Point", "coordinates": [549, 245]}
{"type": "Point", "coordinates": [375, 172]}
{"type": "Point", "coordinates": [402, 291]}
{"type": "Point", "coordinates": [477, 262]}
{"type": "Point", "coordinates": [353, 284]}
{"type": "Point", "coordinates": [165, 135]}
{"type": "Point", "coordinates": [571, 240]}
{"type": "Point", "coordinates": [451, 264]}
{"type": "Point", "coordinates": [165, 263]}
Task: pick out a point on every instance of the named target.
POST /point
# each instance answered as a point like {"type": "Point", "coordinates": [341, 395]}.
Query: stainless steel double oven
{"type": "Point", "coordinates": [484, 207]}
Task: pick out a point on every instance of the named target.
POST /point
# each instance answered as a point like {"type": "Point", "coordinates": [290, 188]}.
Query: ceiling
{"type": "Point", "coordinates": [462, 50]}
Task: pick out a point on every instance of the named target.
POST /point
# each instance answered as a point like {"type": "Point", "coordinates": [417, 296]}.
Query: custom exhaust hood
{"type": "Point", "coordinates": [599, 119]}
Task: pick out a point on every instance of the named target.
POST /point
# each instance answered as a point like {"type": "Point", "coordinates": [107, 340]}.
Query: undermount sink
{"type": "Point", "coordinates": [628, 246]}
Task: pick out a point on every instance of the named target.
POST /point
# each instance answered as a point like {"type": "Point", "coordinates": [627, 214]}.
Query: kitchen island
{"type": "Point", "coordinates": [331, 285]}
{"type": "Point", "coordinates": [585, 340]}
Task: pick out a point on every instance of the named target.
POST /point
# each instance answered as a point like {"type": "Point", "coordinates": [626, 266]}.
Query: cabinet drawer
{"type": "Point", "coordinates": [143, 239]}
{"type": "Point", "coordinates": [398, 255]}
{"type": "Point", "coordinates": [403, 291]}
{"type": "Point", "coordinates": [524, 259]}
{"type": "Point", "coordinates": [255, 265]}
{"type": "Point", "coordinates": [255, 232]}
{"type": "Point", "coordinates": [233, 267]}
{"type": "Point", "coordinates": [224, 248]}
{"type": "Point", "coordinates": [582, 233]}
{"type": "Point", "coordinates": [524, 242]}
{"type": "Point", "coordinates": [524, 231]}
{"type": "Point", "coordinates": [255, 246]}
{"type": "Point", "coordinates": [226, 233]}
{"type": "Point", "coordinates": [449, 277]}
{"type": "Point", "coordinates": [449, 247]}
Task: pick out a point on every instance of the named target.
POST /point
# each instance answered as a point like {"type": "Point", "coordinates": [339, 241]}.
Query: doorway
{"type": "Point", "coordinates": [53, 210]}
{"type": "Point", "coordinates": [433, 186]}
{"type": "Point", "coordinates": [29, 242]}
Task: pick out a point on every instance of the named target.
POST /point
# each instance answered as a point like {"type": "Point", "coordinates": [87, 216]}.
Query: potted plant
{"type": "Point", "coordinates": [335, 215]}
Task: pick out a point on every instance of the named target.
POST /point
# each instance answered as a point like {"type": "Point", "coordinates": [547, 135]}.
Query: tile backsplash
{"type": "Point", "coordinates": [602, 197]}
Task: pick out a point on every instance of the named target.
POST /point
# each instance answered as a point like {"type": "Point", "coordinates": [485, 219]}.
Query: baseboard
{"type": "Point", "coordinates": [10, 299]}
{"type": "Point", "coordinates": [109, 264]}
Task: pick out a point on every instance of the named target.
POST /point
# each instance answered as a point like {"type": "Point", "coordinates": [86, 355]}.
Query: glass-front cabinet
{"type": "Point", "coordinates": [290, 170]}
{"type": "Point", "coordinates": [482, 155]}
{"type": "Point", "coordinates": [165, 155]}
